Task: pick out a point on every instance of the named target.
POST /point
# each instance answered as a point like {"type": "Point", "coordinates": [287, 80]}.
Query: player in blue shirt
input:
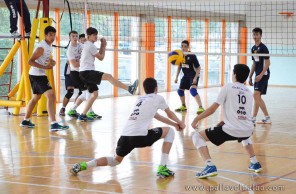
{"type": "Point", "coordinates": [189, 81]}
{"type": "Point", "coordinates": [261, 68]}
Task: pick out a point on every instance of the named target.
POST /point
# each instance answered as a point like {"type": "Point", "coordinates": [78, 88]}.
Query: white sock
{"type": "Point", "coordinates": [253, 159]}
{"type": "Point", "coordinates": [53, 122]}
{"type": "Point", "coordinates": [209, 162]}
{"type": "Point", "coordinates": [92, 163]}
{"type": "Point", "coordinates": [74, 107]}
{"type": "Point", "coordinates": [27, 119]}
{"type": "Point", "coordinates": [90, 110]}
{"type": "Point", "coordinates": [164, 158]}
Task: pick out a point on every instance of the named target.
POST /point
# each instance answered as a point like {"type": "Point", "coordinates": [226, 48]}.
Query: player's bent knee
{"type": "Point", "coordinates": [170, 136]}
{"type": "Point", "coordinates": [83, 95]}
{"type": "Point", "coordinates": [69, 93]}
{"type": "Point", "coordinates": [112, 162]}
{"type": "Point", "coordinates": [180, 92]}
{"type": "Point", "coordinates": [193, 92]}
{"type": "Point", "coordinates": [247, 142]}
{"type": "Point", "coordinates": [198, 140]}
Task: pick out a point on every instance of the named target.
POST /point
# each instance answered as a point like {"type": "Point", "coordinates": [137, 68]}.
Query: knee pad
{"type": "Point", "coordinates": [170, 136]}
{"type": "Point", "coordinates": [247, 142]}
{"type": "Point", "coordinates": [69, 93]}
{"type": "Point", "coordinates": [112, 162]}
{"type": "Point", "coordinates": [82, 96]}
{"type": "Point", "coordinates": [193, 92]}
{"type": "Point", "coordinates": [198, 140]}
{"type": "Point", "coordinates": [180, 92]}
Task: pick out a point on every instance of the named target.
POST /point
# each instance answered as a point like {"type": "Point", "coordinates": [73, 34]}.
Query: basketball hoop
{"type": "Point", "coordinates": [287, 14]}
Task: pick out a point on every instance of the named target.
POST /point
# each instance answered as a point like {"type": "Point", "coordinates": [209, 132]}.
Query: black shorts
{"type": "Point", "coordinates": [261, 86]}
{"type": "Point", "coordinates": [186, 83]}
{"type": "Point", "coordinates": [68, 82]}
{"type": "Point", "coordinates": [74, 75]}
{"type": "Point", "coordinates": [126, 144]}
{"type": "Point", "coordinates": [39, 84]}
{"type": "Point", "coordinates": [91, 79]}
{"type": "Point", "coordinates": [217, 136]}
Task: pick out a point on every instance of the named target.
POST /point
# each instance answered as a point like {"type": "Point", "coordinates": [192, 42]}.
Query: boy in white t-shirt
{"type": "Point", "coordinates": [90, 76]}
{"type": "Point", "coordinates": [73, 55]}
{"type": "Point", "coordinates": [39, 62]}
{"type": "Point", "coordinates": [236, 100]}
{"type": "Point", "coordinates": [136, 134]}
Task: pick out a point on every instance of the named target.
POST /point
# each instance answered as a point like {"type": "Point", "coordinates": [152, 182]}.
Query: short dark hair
{"type": "Point", "coordinates": [256, 30]}
{"type": "Point", "coordinates": [73, 32]}
{"type": "Point", "coordinates": [149, 85]}
{"type": "Point", "coordinates": [185, 42]}
{"type": "Point", "coordinates": [241, 72]}
{"type": "Point", "coordinates": [49, 29]}
{"type": "Point", "coordinates": [81, 36]}
{"type": "Point", "coordinates": [91, 30]}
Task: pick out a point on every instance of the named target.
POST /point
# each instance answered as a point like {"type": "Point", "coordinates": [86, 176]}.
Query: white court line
{"type": "Point", "coordinates": [57, 187]}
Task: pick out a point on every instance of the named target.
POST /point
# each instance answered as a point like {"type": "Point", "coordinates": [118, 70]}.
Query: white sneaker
{"type": "Point", "coordinates": [15, 34]}
{"type": "Point", "coordinates": [27, 34]}
{"type": "Point", "coordinates": [267, 120]}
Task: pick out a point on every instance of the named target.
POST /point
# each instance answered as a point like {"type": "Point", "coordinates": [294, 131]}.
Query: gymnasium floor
{"type": "Point", "coordinates": [35, 161]}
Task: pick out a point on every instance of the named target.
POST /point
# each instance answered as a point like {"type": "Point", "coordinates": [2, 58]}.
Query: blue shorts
{"type": "Point", "coordinates": [186, 83]}
{"type": "Point", "coordinates": [261, 86]}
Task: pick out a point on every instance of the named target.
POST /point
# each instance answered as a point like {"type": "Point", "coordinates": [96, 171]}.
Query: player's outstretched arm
{"type": "Point", "coordinates": [168, 121]}
{"type": "Point", "coordinates": [173, 117]}
{"type": "Point", "coordinates": [205, 114]}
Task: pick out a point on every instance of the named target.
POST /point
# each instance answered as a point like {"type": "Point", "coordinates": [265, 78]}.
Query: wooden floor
{"type": "Point", "coordinates": [36, 161]}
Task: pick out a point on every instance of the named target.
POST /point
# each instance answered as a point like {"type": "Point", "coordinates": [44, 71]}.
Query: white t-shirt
{"type": "Point", "coordinates": [87, 61]}
{"type": "Point", "coordinates": [236, 100]}
{"type": "Point", "coordinates": [74, 52]}
{"type": "Point", "coordinates": [142, 115]}
{"type": "Point", "coordinates": [42, 60]}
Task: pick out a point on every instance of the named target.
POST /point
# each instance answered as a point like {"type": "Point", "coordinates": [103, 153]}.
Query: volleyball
{"type": "Point", "coordinates": [176, 57]}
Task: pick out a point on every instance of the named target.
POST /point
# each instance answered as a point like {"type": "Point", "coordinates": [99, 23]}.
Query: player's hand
{"type": "Point", "coordinates": [258, 78]}
{"type": "Point", "coordinates": [194, 81]}
{"type": "Point", "coordinates": [48, 66]}
{"type": "Point", "coordinates": [250, 81]}
{"type": "Point", "coordinates": [103, 42]}
{"type": "Point", "coordinates": [220, 124]}
{"type": "Point", "coordinates": [176, 80]}
{"type": "Point", "coordinates": [52, 62]}
{"type": "Point", "coordinates": [194, 125]}
{"type": "Point", "coordinates": [182, 125]}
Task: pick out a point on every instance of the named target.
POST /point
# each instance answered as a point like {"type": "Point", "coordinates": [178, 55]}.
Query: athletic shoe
{"type": "Point", "coordinates": [78, 167]}
{"type": "Point", "coordinates": [209, 171]}
{"type": "Point", "coordinates": [62, 112]}
{"type": "Point", "coordinates": [73, 113]}
{"type": "Point", "coordinates": [133, 88]}
{"type": "Point", "coordinates": [181, 109]}
{"type": "Point", "coordinates": [267, 120]}
{"type": "Point", "coordinates": [93, 115]}
{"type": "Point", "coordinates": [57, 127]}
{"type": "Point", "coordinates": [200, 110]}
{"type": "Point", "coordinates": [27, 123]}
{"type": "Point", "coordinates": [255, 167]}
{"type": "Point", "coordinates": [163, 171]}
{"type": "Point", "coordinates": [28, 34]}
{"type": "Point", "coordinates": [84, 118]}
{"type": "Point", "coordinates": [15, 34]}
